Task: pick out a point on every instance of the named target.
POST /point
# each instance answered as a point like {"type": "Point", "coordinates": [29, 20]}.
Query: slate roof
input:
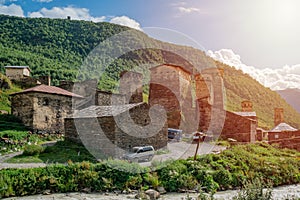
{"type": "Point", "coordinates": [18, 67]}
{"type": "Point", "coordinates": [49, 90]}
{"type": "Point", "coordinates": [246, 114]}
{"type": "Point", "coordinates": [104, 111]}
{"type": "Point", "coordinates": [283, 127]}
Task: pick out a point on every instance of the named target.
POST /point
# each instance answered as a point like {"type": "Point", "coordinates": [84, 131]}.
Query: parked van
{"type": "Point", "coordinates": [174, 134]}
{"type": "Point", "coordinates": [143, 153]}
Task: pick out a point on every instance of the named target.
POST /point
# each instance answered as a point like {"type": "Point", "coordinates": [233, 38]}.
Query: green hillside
{"type": "Point", "coordinates": [58, 47]}
{"type": "Point", "coordinates": [4, 93]}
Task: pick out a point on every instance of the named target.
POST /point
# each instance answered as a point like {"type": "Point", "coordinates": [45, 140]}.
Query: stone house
{"type": "Point", "coordinates": [284, 135]}
{"type": "Point", "coordinates": [17, 72]}
{"type": "Point", "coordinates": [110, 131]}
{"type": "Point", "coordinates": [43, 108]}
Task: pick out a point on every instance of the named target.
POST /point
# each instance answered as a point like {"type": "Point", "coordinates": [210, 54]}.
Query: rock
{"type": "Point", "coordinates": [117, 192]}
{"type": "Point", "coordinates": [231, 140]}
{"type": "Point", "coordinates": [142, 195]}
{"type": "Point", "coordinates": [161, 190]}
{"type": "Point", "coordinates": [153, 194]}
{"type": "Point", "coordinates": [86, 190]}
{"type": "Point", "coordinates": [47, 192]}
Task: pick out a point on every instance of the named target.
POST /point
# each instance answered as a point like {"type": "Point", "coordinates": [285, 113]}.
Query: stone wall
{"type": "Point", "coordinates": [131, 86]}
{"type": "Point", "coordinates": [239, 128]}
{"type": "Point", "coordinates": [50, 111]}
{"type": "Point", "coordinates": [22, 107]}
{"type": "Point", "coordinates": [285, 139]}
{"type": "Point", "coordinates": [26, 82]}
{"type": "Point", "coordinates": [16, 73]}
{"type": "Point", "coordinates": [108, 98]}
{"type": "Point", "coordinates": [103, 135]}
{"type": "Point", "coordinates": [46, 80]}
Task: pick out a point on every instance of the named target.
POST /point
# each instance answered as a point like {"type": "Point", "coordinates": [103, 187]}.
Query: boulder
{"type": "Point", "coordinates": [153, 194]}
{"type": "Point", "coordinates": [161, 190]}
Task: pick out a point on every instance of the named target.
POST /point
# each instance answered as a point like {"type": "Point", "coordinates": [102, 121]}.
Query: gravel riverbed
{"type": "Point", "coordinates": [284, 192]}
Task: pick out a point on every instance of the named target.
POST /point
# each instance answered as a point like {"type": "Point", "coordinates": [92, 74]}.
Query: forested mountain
{"type": "Point", "coordinates": [59, 47]}
{"type": "Point", "coordinates": [291, 96]}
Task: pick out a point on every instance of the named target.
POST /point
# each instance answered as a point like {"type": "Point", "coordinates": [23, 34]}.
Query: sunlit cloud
{"type": "Point", "coordinates": [276, 79]}
{"type": "Point", "coordinates": [126, 21]}
{"type": "Point", "coordinates": [187, 10]}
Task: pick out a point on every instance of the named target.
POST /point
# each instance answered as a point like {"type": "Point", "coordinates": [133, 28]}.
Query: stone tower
{"type": "Point", "coordinates": [278, 116]}
{"type": "Point", "coordinates": [131, 85]}
{"type": "Point", "coordinates": [247, 106]}
{"type": "Point", "coordinates": [170, 87]}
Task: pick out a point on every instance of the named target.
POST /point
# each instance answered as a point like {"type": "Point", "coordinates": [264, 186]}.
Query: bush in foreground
{"type": "Point", "coordinates": [230, 169]}
{"type": "Point", "coordinates": [33, 150]}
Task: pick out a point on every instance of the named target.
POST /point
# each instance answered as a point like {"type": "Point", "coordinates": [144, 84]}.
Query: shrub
{"type": "Point", "coordinates": [33, 150]}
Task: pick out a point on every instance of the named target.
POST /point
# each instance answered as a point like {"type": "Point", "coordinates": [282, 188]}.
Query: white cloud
{"type": "Point", "coordinates": [187, 10]}
{"type": "Point", "coordinates": [6, 1]}
{"type": "Point", "coordinates": [181, 3]}
{"type": "Point", "coordinates": [126, 21]}
{"type": "Point", "coordinates": [12, 9]}
{"type": "Point", "coordinates": [276, 79]}
{"type": "Point", "coordinates": [183, 8]}
{"type": "Point", "coordinates": [43, 1]}
{"type": "Point", "coordinates": [63, 12]}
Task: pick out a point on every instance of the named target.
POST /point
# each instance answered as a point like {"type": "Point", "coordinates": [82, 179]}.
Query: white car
{"type": "Point", "coordinates": [144, 153]}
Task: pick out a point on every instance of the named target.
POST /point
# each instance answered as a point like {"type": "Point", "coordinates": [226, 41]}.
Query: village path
{"type": "Point", "coordinates": [176, 150]}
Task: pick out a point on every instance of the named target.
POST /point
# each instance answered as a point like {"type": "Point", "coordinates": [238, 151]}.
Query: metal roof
{"type": "Point", "coordinates": [49, 90]}
{"type": "Point", "coordinates": [18, 67]}
{"type": "Point", "coordinates": [104, 111]}
{"type": "Point", "coordinates": [283, 127]}
{"type": "Point", "coordinates": [246, 114]}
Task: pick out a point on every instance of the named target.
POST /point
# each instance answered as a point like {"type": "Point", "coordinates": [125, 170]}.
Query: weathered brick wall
{"type": "Point", "coordinates": [285, 139]}
{"type": "Point", "coordinates": [170, 87]}
{"type": "Point", "coordinates": [239, 128]}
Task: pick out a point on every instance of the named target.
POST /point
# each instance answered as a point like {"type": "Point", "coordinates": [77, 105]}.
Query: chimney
{"type": "Point", "coordinates": [278, 116]}
{"type": "Point", "coordinates": [247, 106]}
{"type": "Point", "coordinates": [131, 85]}
{"type": "Point", "coordinates": [46, 80]}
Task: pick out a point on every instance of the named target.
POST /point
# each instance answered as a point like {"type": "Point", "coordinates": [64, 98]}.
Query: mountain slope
{"type": "Point", "coordinates": [240, 86]}
{"type": "Point", "coordinates": [5, 91]}
{"type": "Point", "coordinates": [58, 47]}
{"type": "Point", "coordinates": [291, 96]}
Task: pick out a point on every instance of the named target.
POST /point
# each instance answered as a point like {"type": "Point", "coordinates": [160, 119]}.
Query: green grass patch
{"type": "Point", "coordinates": [61, 152]}
{"type": "Point", "coordinates": [24, 159]}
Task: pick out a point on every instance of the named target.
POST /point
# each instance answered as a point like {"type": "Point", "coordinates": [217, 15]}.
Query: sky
{"type": "Point", "coordinates": [263, 34]}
